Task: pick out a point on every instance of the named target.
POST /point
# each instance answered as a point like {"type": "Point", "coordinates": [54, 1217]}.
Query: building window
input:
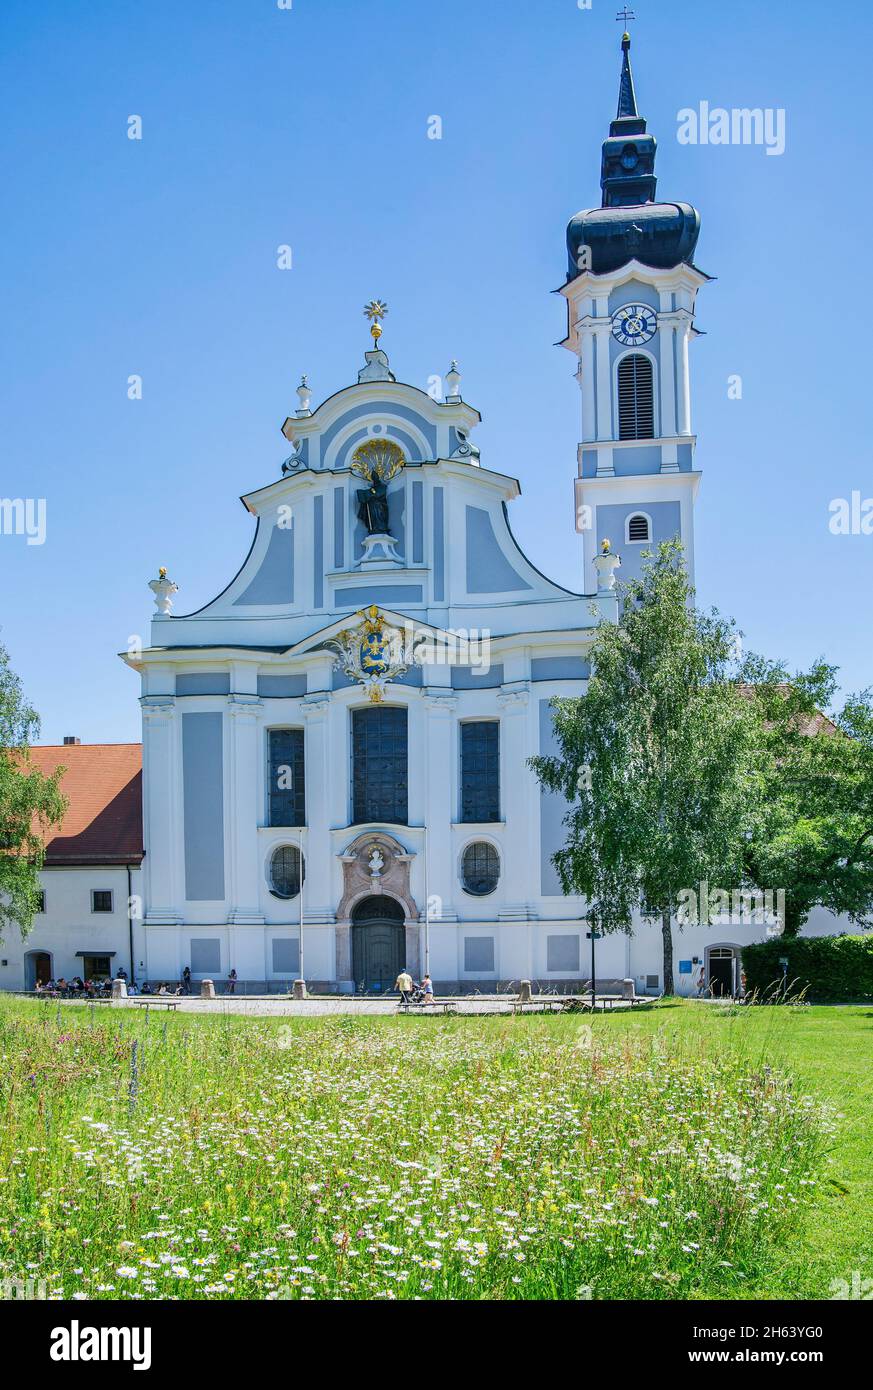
{"type": "Point", "coordinates": [285, 872]}
{"type": "Point", "coordinates": [40, 900]}
{"type": "Point", "coordinates": [480, 771]}
{"type": "Point", "coordinates": [287, 778]}
{"type": "Point", "coordinates": [480, 869]}
{"type": "Point", "coordinates": [96, 967]}
{"type": "Point", "coordinates": [636, 397]}
{"type": "Point", "coordinates": [379, 765]}
{"type": "Point", "coordinates": [101, 900]}
{"type": "Point", "coordinates": [638, 529]}
{"type": "Point", "coordinates": [479, 953]}
{"type": "Point", "coordinates": [562, 953]}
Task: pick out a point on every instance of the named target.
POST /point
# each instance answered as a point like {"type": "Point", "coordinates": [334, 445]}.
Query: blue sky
{"type": "Point", "coordinates": [308, 127]}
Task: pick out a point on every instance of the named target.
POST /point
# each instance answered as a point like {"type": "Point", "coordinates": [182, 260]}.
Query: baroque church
{"type": "Point", "coordinates": [335, 748]}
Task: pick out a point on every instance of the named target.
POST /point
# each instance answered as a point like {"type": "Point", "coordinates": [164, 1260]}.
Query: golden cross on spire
{"type": "Point", "coordinates": [625, 15]}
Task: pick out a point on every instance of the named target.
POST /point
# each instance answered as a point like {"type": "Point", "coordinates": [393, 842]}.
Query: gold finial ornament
{"type": "Point", "coordinates": [375, 310]}
{"type": "Point", "coordinates": [162, 572]}
{"type": "Point", "coordinates": [379, 458]}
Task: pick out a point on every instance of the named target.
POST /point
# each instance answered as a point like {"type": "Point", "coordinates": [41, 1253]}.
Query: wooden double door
{"type": "Point", "coordinates": [378, 944]}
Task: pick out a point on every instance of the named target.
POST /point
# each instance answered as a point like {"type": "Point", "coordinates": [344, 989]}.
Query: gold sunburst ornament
{"type": "Point", "coordinates": [375, 310]}
{"type": "Point", "coordinates": [377, 458]}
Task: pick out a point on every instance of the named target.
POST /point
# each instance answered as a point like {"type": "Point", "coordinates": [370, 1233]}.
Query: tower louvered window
{"type": "Point", "coordinates": [636, 398]}
{"type": "Point", "coordinates": [638, 528]}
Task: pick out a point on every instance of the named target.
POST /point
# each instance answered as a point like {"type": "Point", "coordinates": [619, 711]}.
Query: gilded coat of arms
{"type": "Point", "coordinates": [372, 653]}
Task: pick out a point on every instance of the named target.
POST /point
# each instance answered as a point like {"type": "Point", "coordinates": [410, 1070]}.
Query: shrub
{"type": "Point", "coordinates": [832, 969]}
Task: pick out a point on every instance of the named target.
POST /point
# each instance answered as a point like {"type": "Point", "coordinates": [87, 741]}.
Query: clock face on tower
{"type": "Point", "coordinates": [634, 324]}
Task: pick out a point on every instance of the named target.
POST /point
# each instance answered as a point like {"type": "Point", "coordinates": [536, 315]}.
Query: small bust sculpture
{"type": "Point", "coordinates": [377, 863]}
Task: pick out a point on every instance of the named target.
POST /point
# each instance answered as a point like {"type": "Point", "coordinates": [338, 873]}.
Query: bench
{"type": "Point", "coordinates": [159, 1000]}
{"type": "Point", "coordinates": [444, 1006]}
{"type": "Point", "coordinates": [537, 1006]}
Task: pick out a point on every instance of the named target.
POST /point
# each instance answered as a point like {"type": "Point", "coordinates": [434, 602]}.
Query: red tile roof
{"type": "Point", "coordinates": [103, 785]}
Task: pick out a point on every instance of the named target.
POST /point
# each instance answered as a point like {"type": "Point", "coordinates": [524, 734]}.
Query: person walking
{"type": "Point", "coordinates": [405, 985]}
{"type": "Point", "coordinates": [427, 989]}
{"type": "Point", "coordinates": [701, 981]}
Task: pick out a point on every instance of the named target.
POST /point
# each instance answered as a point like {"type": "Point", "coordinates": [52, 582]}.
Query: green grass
{"type": "Point", "coordinates": [685, 1151]}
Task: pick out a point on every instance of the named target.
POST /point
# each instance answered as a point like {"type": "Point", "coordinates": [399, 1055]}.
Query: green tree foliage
{"type": "Point", "coordinates": [813, 834]}
{"type": "Point", "coordinates": [30, 803]}
{"type": "Point", "coordinates": [831, 969]}
{"type": "Point", "coordinates": [657, 759]}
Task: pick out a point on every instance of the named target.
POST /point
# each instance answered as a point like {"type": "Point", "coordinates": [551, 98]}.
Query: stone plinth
{"type": "Point", "coordinates": [207, 989]}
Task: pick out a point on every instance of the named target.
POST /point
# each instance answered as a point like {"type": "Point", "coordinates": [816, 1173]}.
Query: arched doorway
{"type": "Point", "coordinates": [722, 973]}
{"type": "Point", "coordinates": [378, 943]}
{"type": "Point", "coordinates": [37, 966]}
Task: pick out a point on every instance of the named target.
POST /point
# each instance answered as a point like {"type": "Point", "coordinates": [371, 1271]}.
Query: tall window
{"type": "Point", "coordinates": [287, 785]}
{"type": "Point", "coordinates": [636, 397]}
{"type": "Point", "coordinates": [480, 771]}
{"type": "Point", "coordinates": [379, 765]}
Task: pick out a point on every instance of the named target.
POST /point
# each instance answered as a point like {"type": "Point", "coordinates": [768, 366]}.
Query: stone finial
{"type": "Point", "coordinates": [524, 992]}
{"type": "Point", "coordinates": [304, 396]}
{"type": "Point", "coordinates": [207, 989]}
{"type": "Point", "coordinates": [606, 563]}
{"type": "Point", "coordinates": [298, 990]}
{"type": "Point", "coordinates": [163, 590]}
{"type": "Point", "coordinates": [453, 383]}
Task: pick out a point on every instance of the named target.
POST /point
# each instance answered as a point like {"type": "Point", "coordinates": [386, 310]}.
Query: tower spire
{"type": "Point", "coordinates": [627, 97]}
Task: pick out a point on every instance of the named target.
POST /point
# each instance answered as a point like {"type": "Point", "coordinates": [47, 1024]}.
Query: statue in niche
{"type": "Point", "coordinates": [376, 462]}
{"type": "Point", "coordinates": [373, 507]}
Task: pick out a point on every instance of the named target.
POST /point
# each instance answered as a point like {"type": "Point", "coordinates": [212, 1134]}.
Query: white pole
{"type": "Point", "coordinates": [302, 975]}
{"type": "Point", "coordinates": [426, 907]}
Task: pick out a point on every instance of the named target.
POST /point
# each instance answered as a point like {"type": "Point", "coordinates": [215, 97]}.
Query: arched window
{"type": "Point", "coordinates": [636, 397]}
{"type": "Point", "coordinates": [638, 528]}
{"type": "Point", "coordinates": [285, 871]}
{"type": "Point", "coordinates": [480, 869]}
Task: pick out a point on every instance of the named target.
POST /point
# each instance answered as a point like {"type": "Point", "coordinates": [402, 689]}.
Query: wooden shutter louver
{"type": "Point", "coordinates": [636, 398]}
{"type": "Point", "coordinates": [638, 528]}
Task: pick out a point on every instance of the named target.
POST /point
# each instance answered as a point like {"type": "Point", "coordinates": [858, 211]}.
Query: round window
{"type": "Point", "coordinates": [480, 868]}
{"type": "Point", "coordinates": [285, 872]}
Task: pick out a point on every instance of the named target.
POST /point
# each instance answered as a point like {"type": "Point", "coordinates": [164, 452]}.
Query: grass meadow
{"type": "Point", "coordinates": [685, 1151]}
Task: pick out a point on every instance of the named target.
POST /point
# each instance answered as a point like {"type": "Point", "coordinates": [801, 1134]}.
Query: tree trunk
{"type": "Point", "coordinates": [667, 937]}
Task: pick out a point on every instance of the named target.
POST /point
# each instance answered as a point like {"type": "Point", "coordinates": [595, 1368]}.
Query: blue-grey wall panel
{"type": "Point", "coordinates": [203, 799]}
{"type": "Point", "coordinates": [318, 551]}
{"type": "Point", "coordinates": [488, 570]}
{"type": "Point", "coordinates": [559, 668]}
{"type": "Point", "coordinates": [439, 547]}
{"type": "Point", "coordinates": [417, 523]}
{"type": "Point", "coordinates": [379, 593]}
{"type": "Point", "coordinates": [274, 581]}
{"type": "Point", "coordinates": [204, 683]}
{"type": "Point", "coordinates": [339, 527]}
{"type": "Point", "coordinates": [475, 678]}
{"type": "Point", "coordinates": [281, 687]}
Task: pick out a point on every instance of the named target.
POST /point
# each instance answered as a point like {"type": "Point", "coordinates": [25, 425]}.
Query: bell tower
{"type": "Point", "coordinates": [631, 288]}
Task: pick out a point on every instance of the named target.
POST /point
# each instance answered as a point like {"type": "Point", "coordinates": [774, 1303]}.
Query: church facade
{"type": "Point", "coordinates": [335, 776]}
